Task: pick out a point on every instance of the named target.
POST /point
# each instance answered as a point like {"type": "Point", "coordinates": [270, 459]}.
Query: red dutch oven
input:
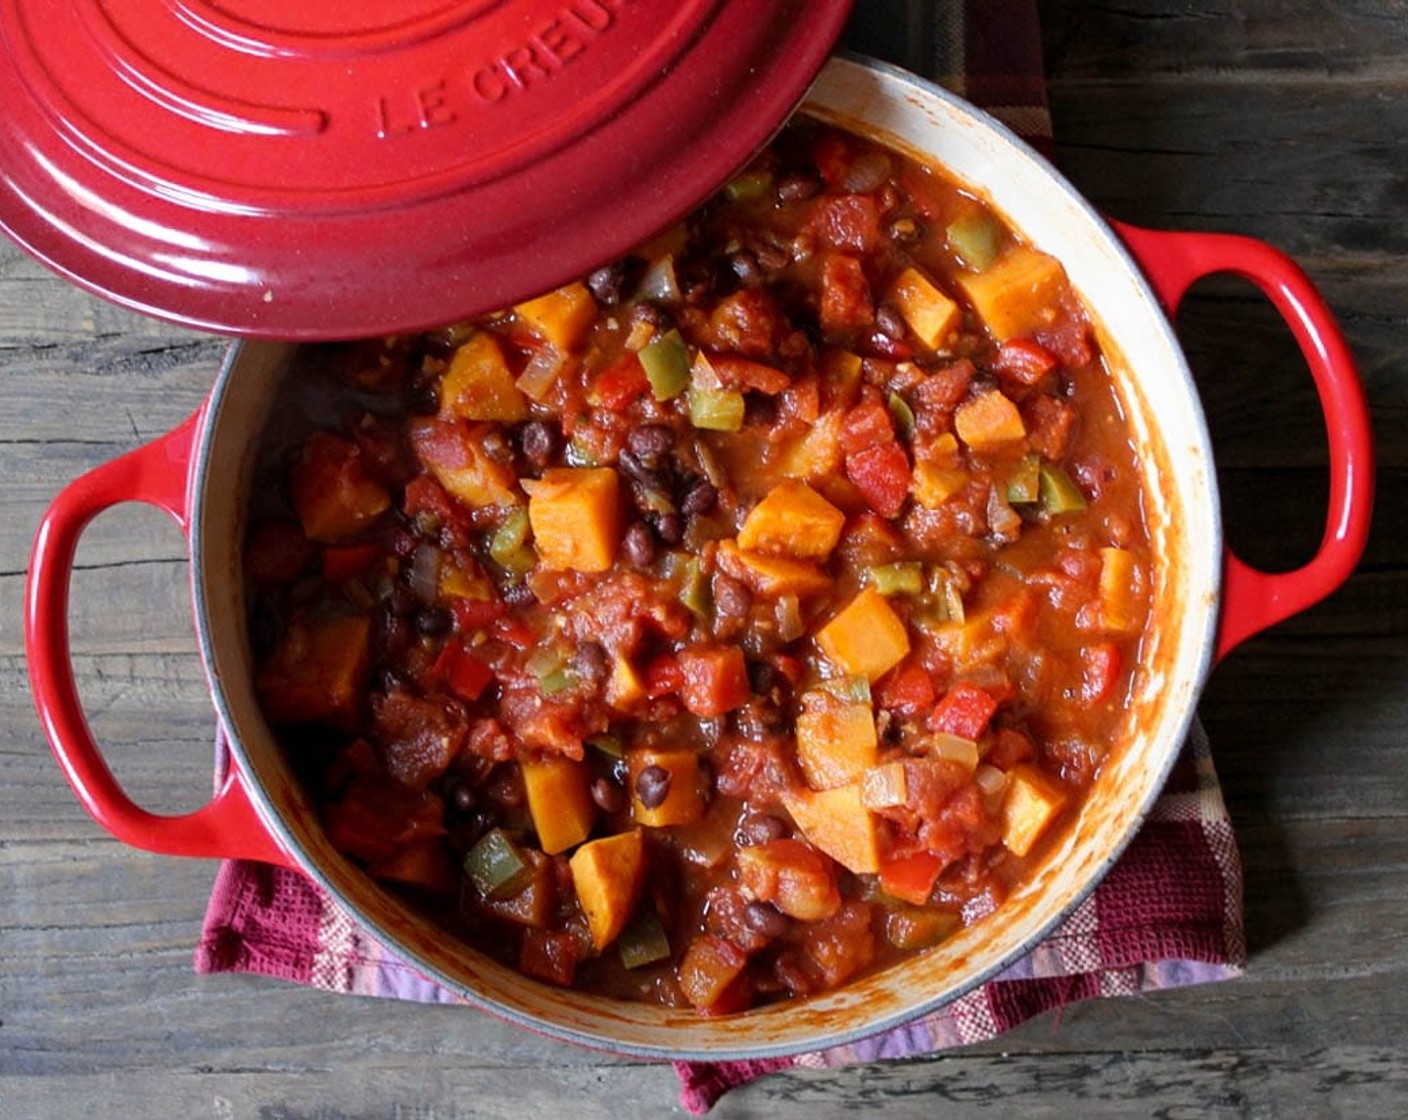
{"type": "Point", "coordinates": [1207, 599]}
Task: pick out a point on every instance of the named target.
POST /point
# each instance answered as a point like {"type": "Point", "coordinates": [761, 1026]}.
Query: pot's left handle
{"type": "Point", "coordinates": [228, 825]}
{"type": "Point", "coordinates": [1252, 599]}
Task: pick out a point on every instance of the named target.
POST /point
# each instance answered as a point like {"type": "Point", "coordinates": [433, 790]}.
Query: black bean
{"type": "Point", "coordinates": [653, 786]}
{"type": "Point", "coordinates": [890, 321]}
{"type": "Point", "coordinates": [518, 594]}
{"type": "Point", "coordinates": [774, 258]}
{"type": "Point", "coordinates": [797, 187]}
{"type": "Point", "coordinates": [390, 680]}
{"type": "Point", "coordinates": [669, 528]}
{"type": "Point", "coordinates": [761, 677]}
{"type": "Point", "coordinates": [650, 444]}
{"type": "Point", "coordinates": [759, 410]}
{"type": "Point", "coordinates": [767, 919]}
{"type": "Point", "coordinates": [423, 398]}
{"type": "Point", "coordinates": [462, 797]}
{"type": "Point", "coordinates": [538, 441]}
{"type": "Point", "coordinates": [433, 620]}
{"type": "Point", "coordinates": [746, 268]}
{"type": "Point", "coordinates": [605, 283]}
{"type": "Point", "coordinates": [589, 662]}
{"type": "Point", "coordinates": [639, 545]}
{"type": "Point", "coordinates": [631, 464]}
{"type": "Point", "coordinates": [761, 828]}
{"type": "Point", "coordinates": [608, 796]}
{"type": "Point", "coordinates": [759, 720]}
{"type": "Point", "coordinates": [402, 601]}
{"type": "Point", "coordinates": [699, 498]}
{"type": "Point", "coordinates": [643, 311]}
{"type": "Point", "coordinates": [732, 599]}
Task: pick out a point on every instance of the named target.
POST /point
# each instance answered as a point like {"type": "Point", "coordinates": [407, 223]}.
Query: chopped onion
{"type": "Point", "coordinates": [659, 282]}
{"type": "Point", "coordinates": [990, 779]}
{"type": "Point", "coordinates": [541, 372]}
{"type": "Point", "coordinates": [425, 572]}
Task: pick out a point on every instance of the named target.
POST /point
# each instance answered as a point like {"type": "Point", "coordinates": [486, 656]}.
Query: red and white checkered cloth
{"type": "Point", "coordinates": [1169, 914]}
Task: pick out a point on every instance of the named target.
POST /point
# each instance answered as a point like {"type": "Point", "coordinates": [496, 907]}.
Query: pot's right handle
{"type": "Point", "coordinates": [157, 473]}
{"type": "Point", "coordinates": [1254, 600]}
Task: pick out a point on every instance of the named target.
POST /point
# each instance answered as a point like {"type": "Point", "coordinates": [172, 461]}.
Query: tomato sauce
{"type": "Point", "coordinates": [746, 616]}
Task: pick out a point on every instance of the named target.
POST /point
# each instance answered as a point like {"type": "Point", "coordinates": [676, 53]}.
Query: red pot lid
{"type": "Point", "coordinates": [335, 168]}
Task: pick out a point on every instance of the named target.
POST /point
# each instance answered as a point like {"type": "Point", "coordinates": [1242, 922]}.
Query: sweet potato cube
{"type": "Point", "coordinates": [715, 680]}
{"type": "Point", "coordinates": [816, 453]}
{"type": "Point", "coordinates": [478, 385]}
{"type": "Point", "coordinates": [866, 639]}
{"type": "Point", "coordinates": [884, 786]}
{"type": "Point", "coordinates": [988, 420]}
{"type": "Point", "coordinates": [1031, 804]}
{"type": "Point", "coordinates": [684, 798]}
{"type": "Point", "coordinates": [931, 315]}
{"type": "Point", "coordinates": [709, 965]}
{"type": "Point", "coordinates": [772, 576]}
{"type": "Point", "coordinates": [316, 672]}
{"type": "Point", "coordinates": [793, 520]}
{"type": "Point", "coordinates": [455, 455]}
{"type": "Point", "coordinates": [933, 485]}
{"type": "Point", "coordinates": [575, 513]}
{"type": "Point", "coordinates": [333, 493]}
{"type": "Point", "coordinates": [836, 740]}
{"type": "Point", "coordinates": [1017, 294]}
{"type": "Point", "coordinates": [1119, 609]}
{"type": "Point", "coordinates": [560, 317]}
{"type": "Point", "coordinates": [609, 875]}
{"type": "Point", "coordinates": [624, 689]}
{"type": "Point", "coordinates": [837, 822]}
{"type": "Point", "coordinates": [559, 801]}
{"type": "Point", "coordinates": [795, 877]}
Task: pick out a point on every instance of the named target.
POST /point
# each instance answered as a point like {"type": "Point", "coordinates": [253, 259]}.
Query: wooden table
{"type": "Point", "coordinates": [1287, 121]}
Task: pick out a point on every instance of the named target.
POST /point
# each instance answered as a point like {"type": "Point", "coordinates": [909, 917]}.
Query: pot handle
{"type": "Point", "coordinates": [1254, 600]}
{"type": "Point", "coordinates": [156, 473]}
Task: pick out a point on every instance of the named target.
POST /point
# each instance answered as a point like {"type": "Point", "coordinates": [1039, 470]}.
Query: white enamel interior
{"type": "Point", "coordinates": [1163, 408]}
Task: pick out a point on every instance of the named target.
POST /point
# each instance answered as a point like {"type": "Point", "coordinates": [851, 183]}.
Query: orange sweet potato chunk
{"type": "Point", "coordinates": [575, 513]}
{"type": "Point", "coordinates": [478, 385]}
{"type": "Point", "coordinates": [793, 520]}
{"type": "Point", "coordinates": [836, 741]}
{"type": "Point", "coordinates": [838, 822]}
{"type": "Point", "coordinates": [866, 639]}
{"type": "Point", "coordinates": [560, 317]}
{"type": "Point", "coordinates": [609, 875]}
{"type": "Point", "coordinates": [559, 801]}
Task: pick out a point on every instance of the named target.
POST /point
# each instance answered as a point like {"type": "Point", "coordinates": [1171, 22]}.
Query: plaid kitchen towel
{"type": "Point", "coordinates": [1169, 914]}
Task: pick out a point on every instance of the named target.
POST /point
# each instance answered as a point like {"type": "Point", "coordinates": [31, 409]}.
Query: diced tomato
{"type": "Point", "coordinates": [334, 493]}
{"type": "Point", "coordinates": [1100, 670]}
{"type": "Point", "coordinates": [713, 681]}
{"type": "Point", "coordinates": [550, 955]}
{"type": "Point", "coordinates": [964, 711]}
{"type": "Point", "coordinates": [832, 155]}
{"type": "Point", "coordinates": [710, 964]}
{"type": "Point", "coordinates": [845, 294]}
{"type": "Point", "coordinates": [1024, 360]}
{"type": "Point", "coordinates": [908, 690]}
{"type": "Point", "coordinates": [425, 495]}
{"type": "Point", "coordinates": [867, 425]}
{"type": "Point", "coordinates": [515, 632]}
{"type": "Point", "coordinates": [1069, 339]}
{"type": "Point", "coordinates": [1009, 747]}
{"type": "Point", "coordinates": [663, 676]}
{"type": "Point", "coordinates": [619, 385]}
{"type": "Point", "coordinates": [913, 877]}
{"type": "Point", "coordinates": [277, 552]}
{"type": "Point", "coordinates": [342, 564]}
{"type": "Point", "coordinates": [944, 388]}
{"type": "Point", "coordinates": [463, 673]}
{"type": "Point", "coordinates": [742, 373]}
{"type": "Point", "coordinates": [1050, 425]}
{"type": "Point", "coordinates": [848, 221]}
{"type": "Point", "coordinates": [881, 474]}
{"type": "Point", "coordinates": [420, 736]}
{"type": "Point", "coordinates": [477, 614]}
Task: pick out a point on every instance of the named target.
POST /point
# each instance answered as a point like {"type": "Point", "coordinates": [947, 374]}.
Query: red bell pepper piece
{"type": "Point", "coordinates": [476, 614]}
{"type": "Point", "coordinates": [912, 878]}
{"type": "Point", "coordinates": [619, 385]}
{"type": "Point", "coordinates": [663, 676]}
{"type": "Point", "coordinates": [1024, 360]}
{"type": "Point", "coordinates": [342, 564]}
{"type": "Point", "coordinates": [909, 690]}
{"type": "Point", "coordinates": [463, 673]}
{"type": "Point", "coordinates": [881, 474]}
{"type": "Point", "coordinates": [1100, 666]}
{"type": "Point", "coordinates": [964, 711]}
